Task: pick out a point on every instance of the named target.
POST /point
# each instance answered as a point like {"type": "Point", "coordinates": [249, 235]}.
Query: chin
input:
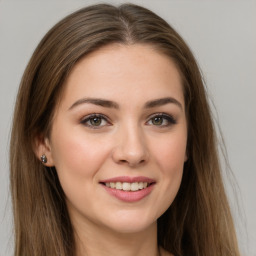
{"type": "Point", "coordinates": [131, 223]}
{"type": "Point", "coordinates": [131, 228]}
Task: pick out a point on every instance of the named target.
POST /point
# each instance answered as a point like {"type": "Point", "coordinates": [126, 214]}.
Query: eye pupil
{"type": "Point", "coordinates": [157, 120]}
{"type": "Point", "coordinates": [95, 121]}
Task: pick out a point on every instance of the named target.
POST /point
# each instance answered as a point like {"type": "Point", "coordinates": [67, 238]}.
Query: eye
{"type": "Point", "coordinates": [162, 120]}
{"type": "Point", "coordinates": [95, 121]}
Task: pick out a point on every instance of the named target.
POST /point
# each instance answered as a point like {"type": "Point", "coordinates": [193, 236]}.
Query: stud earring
{"type": "Point", "coordinates": [43, 159]}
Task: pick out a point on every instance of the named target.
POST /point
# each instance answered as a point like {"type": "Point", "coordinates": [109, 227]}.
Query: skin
{"type": "Point", "coordinates": [128, 143]}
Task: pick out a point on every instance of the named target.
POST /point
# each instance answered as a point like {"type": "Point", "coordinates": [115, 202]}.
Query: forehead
{"type": "Point", "coordinates": [134, 70]}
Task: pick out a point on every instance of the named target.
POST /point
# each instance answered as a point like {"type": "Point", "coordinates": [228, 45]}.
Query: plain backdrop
{"type": "Point", "coordinates": [221, 34]}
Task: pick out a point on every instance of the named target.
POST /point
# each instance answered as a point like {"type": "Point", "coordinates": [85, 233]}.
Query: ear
{"type": "Point", "coordinates": [42, 146]}
{"type": "Point", "coordinates": [186, 157]}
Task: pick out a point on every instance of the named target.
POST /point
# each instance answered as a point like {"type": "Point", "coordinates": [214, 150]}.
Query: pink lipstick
{"type": "Point", "coordinates": [129, 189]}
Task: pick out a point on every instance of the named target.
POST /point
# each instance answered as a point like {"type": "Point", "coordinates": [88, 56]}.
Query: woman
{"type": "Point", "coordinates": [113, 150]}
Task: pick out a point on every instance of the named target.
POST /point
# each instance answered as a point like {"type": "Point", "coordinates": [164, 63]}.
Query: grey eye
{"type": "Point", "coordinates": [95, 121]}
{"type": "Point", "coordinates": [157, 120]}
{"type": "Point", "coordinates": [162, 120]}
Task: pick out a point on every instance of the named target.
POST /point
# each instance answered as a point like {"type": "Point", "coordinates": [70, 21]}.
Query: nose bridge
{"type": "Point", "coordinates": [131, 145]}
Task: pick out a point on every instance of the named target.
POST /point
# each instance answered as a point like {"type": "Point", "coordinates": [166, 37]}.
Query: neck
{"type": "Point", "coordinates": [99, 241]}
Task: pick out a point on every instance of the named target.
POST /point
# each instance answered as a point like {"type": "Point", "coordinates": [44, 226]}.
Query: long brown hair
{"type": "Point", "coordinates": [197, 223]}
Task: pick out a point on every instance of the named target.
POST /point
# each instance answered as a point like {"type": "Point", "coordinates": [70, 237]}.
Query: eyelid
{"type": "Point", "coordinates": [88, 117]}
{"type": "Point", "coordinates": [171, 120]}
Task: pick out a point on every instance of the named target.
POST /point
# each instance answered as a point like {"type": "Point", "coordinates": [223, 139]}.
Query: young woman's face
{"type": "Point", "coordinates": [118, 139]}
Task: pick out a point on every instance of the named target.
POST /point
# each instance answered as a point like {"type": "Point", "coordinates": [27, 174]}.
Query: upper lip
{"type": "Point", "coordinates": [128, 179]}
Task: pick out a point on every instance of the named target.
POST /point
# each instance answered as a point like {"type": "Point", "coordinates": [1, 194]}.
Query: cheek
{"type": "Point", "coordinates": [170, 156]}
{"type": "Point", "coordinates": [78, 158]}
{"type": "Point", "coordinates": [170, 153]}
{"type": "Point", "coordinates": [77, 155]}
{"type": "Point", "coordinates": [172, 162]}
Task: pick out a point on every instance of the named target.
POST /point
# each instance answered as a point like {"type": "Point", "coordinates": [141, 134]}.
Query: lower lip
{"type": "Point", "coordinates": [129, 196]}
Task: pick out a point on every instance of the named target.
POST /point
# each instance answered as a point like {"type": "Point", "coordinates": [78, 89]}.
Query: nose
{"type": "Point", "coordinates": [131, 147]}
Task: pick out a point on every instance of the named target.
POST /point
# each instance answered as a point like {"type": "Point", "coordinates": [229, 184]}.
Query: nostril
{"type": "Point", "coordinates": [132, 163]}
{"type": "Point", "coordinates": [130, 154]}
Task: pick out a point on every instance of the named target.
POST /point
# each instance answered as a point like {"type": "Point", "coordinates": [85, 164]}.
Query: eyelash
{"type": "Point", "coordinates": [168, 118]}
{"type": "Point", "coordinates": [90, 118]}
{"type": "Point", "coordinates": [165, 118]}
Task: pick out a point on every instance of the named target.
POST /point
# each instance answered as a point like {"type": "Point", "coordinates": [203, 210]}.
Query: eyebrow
{"type": "Point", "coordinates": [161, 102]}
{"type": "Point", "coordinates": [96, 101]}
{"type": "Point", "coordinates": [112, 104]}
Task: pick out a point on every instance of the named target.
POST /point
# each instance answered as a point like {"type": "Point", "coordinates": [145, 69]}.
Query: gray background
{"type": "Point", "coordinates": [221, 34]}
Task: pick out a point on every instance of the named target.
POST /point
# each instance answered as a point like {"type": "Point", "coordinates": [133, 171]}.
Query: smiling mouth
{"type": "Point", "coordinates": [127, 186]}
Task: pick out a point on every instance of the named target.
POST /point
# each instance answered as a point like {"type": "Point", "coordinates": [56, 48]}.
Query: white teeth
{"type": "Point", "coordinates": [141, 185]}
{"type": "Point", "coordinates": [119, 185]}
{"type": "Point", "coordinates": [112, 184]}
{"type": "Point", "coordinates": [134, 186]}
{"type": "Point", "coordinates": [126, 186]}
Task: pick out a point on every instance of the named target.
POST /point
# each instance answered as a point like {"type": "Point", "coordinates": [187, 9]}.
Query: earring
{"type": "Point", "coordinates": [43, 159]}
